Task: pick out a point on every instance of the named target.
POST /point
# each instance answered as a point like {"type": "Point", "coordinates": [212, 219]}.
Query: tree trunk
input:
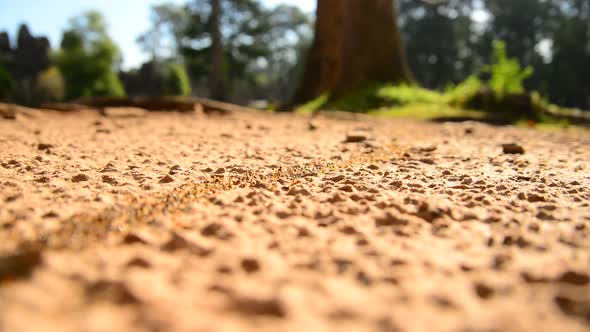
{"type": "Point", "coordinates": [216, 80]}
{"type": "Point", "coordinates": [356, 42]}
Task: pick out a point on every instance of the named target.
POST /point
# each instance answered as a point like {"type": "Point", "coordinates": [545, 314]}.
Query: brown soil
{"type": "Point", "coordinates": [257, 222]}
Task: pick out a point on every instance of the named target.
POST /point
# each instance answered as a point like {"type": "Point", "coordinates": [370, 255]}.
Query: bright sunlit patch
{"type": "Point", "coordinates": [545, 49]}
{"type": "Point", "coordinates": [480, 16]}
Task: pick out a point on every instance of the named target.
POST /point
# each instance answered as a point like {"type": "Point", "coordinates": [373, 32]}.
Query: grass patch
{"type": "Point", "coordinates": [313, 105]}
{"type": "Point", "coordinates": [429, 112]}
{"type": "Point", "coordinates": [441, 112]}
{"type": "Point", "coordinates": [546, 122]}
{"type": "Point", "coordinates": [409, 94]}
{"type": "Point", "coordinates": [360, 100]}
{"type": "Point", "coordinates": [499, 99]}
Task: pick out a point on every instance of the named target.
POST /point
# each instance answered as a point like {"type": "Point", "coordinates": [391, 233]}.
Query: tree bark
{"type": "Point", "coordinates": [356, 42]}
{"type": "Point", "coordinates": [216, 80]}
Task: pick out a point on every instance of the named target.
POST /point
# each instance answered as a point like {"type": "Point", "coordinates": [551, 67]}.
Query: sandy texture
{"type": "Point", "coordinates": [256, 222]}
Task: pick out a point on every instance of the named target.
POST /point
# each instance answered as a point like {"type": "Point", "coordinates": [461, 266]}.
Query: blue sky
{"type": "Point", "coordinates": [127, 19]}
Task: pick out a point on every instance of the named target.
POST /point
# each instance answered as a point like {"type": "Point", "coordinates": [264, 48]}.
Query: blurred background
{"type": "Point", "coordinates": [255, 50]}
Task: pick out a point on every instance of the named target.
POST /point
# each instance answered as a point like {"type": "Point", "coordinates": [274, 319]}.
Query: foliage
{"type": "Point", "coordinates": [428, 112]}
{"type": "Point", "coordinates": [313, 105]}
{"type": "Point", "coordinates": [22, 62]}
{"type": "Point", "coordinates": [507, 76]}
{"type": "Point", "coordinates": [439, 40]}
{"type": "Point", "coordinates": [107, 85]}
{"type": "Point", "coordinates": [50, 85]}
{"type": "Point", "coordinates": [30, 56]}
{"type": "Point", "coordinates": [435, 112]}
{"type": "Point", "coordinates": [505, 90]}
{"type": "Point", "coordinates": [169, 25]}
{"type": "Point", "coordinates": [88, 58]}
{"type": "Point", "coordinates": [148, 80]}
{"type": "Point", "coordinates": [449, 40]}
{"type": "Point", "coordinates": [261, 45]}
{"type": "Point", "coordinates": [375, 96]}
{"type": "Point", "coordinates": [177, 82]}
{"type": "Point", "coordinates": [566, 79]}
{"type": "Point", "coordinates": [264, 51]}
{"type": "Point", "coordinates": [6, 82]}
{"type": "Point", "coordinates": [461, 93]}
{"type": "Point", "coordinates": [455, 95]}
{"type": "Point", "coordinates": [410, 94]}
{"type": "Point", "coordinates": [360, 100]}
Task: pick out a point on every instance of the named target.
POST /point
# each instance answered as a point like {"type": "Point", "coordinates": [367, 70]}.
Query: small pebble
{"type": "Point", "coordinates": [355, 138]}
{"type": "Point", "coordinates": [166, 179]}
{"type": "Point", "coordinates": [80, 178]}
{"type": "Point", "coordinates": [512, 148]}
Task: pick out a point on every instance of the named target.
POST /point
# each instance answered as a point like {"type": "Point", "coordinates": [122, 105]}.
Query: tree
{"type": "Point", "coordinates": [5, 49]}
{"type": "Point", "coordinates": [88, 58]}
{"type": "Point", "coordinates": [164, 38]}
{"type": "Point", "coordinates": [567, 76]}
{"type": "Point", "coordinates": [148, 80]}
{"type": "Point", "coordinates": [220, 41]}
{"type": "Point", "coordinates": [553, 37]}
{"type": "Point", "coordinates": [356, 42]}
{"type": "Point", "coordinates": [288, 34]}
{"type": "Point", "coordinates": [31, 55]}
{"type": "Point", "coordinates": [6, 82]}
{"type": "Point", "coordinates": [177, 82]}
{"type": "Point", "coordinates": [521, 33]}
{"type": "Point", "coordinates": [24, 63]}
{"type": "Point", "coordinates": [254, 40]}
{"type": "Point", "coordinates": [236, 49]}
{"type": "Point", "coordinates": [438, 38]}
{"type": "Point", "coordinates": [216, 76]}
{"type": "Point", "coordinates": [50, 85]}
{"type": "Point", "coordinates": [157, 78]}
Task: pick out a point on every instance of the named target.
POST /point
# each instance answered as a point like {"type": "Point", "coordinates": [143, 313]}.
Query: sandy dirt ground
{"type": "Point", "coordinates": [260, 222]}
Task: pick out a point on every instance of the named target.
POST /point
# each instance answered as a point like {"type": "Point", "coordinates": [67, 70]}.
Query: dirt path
{"type": "Point", "coordinates": [175, 222]}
